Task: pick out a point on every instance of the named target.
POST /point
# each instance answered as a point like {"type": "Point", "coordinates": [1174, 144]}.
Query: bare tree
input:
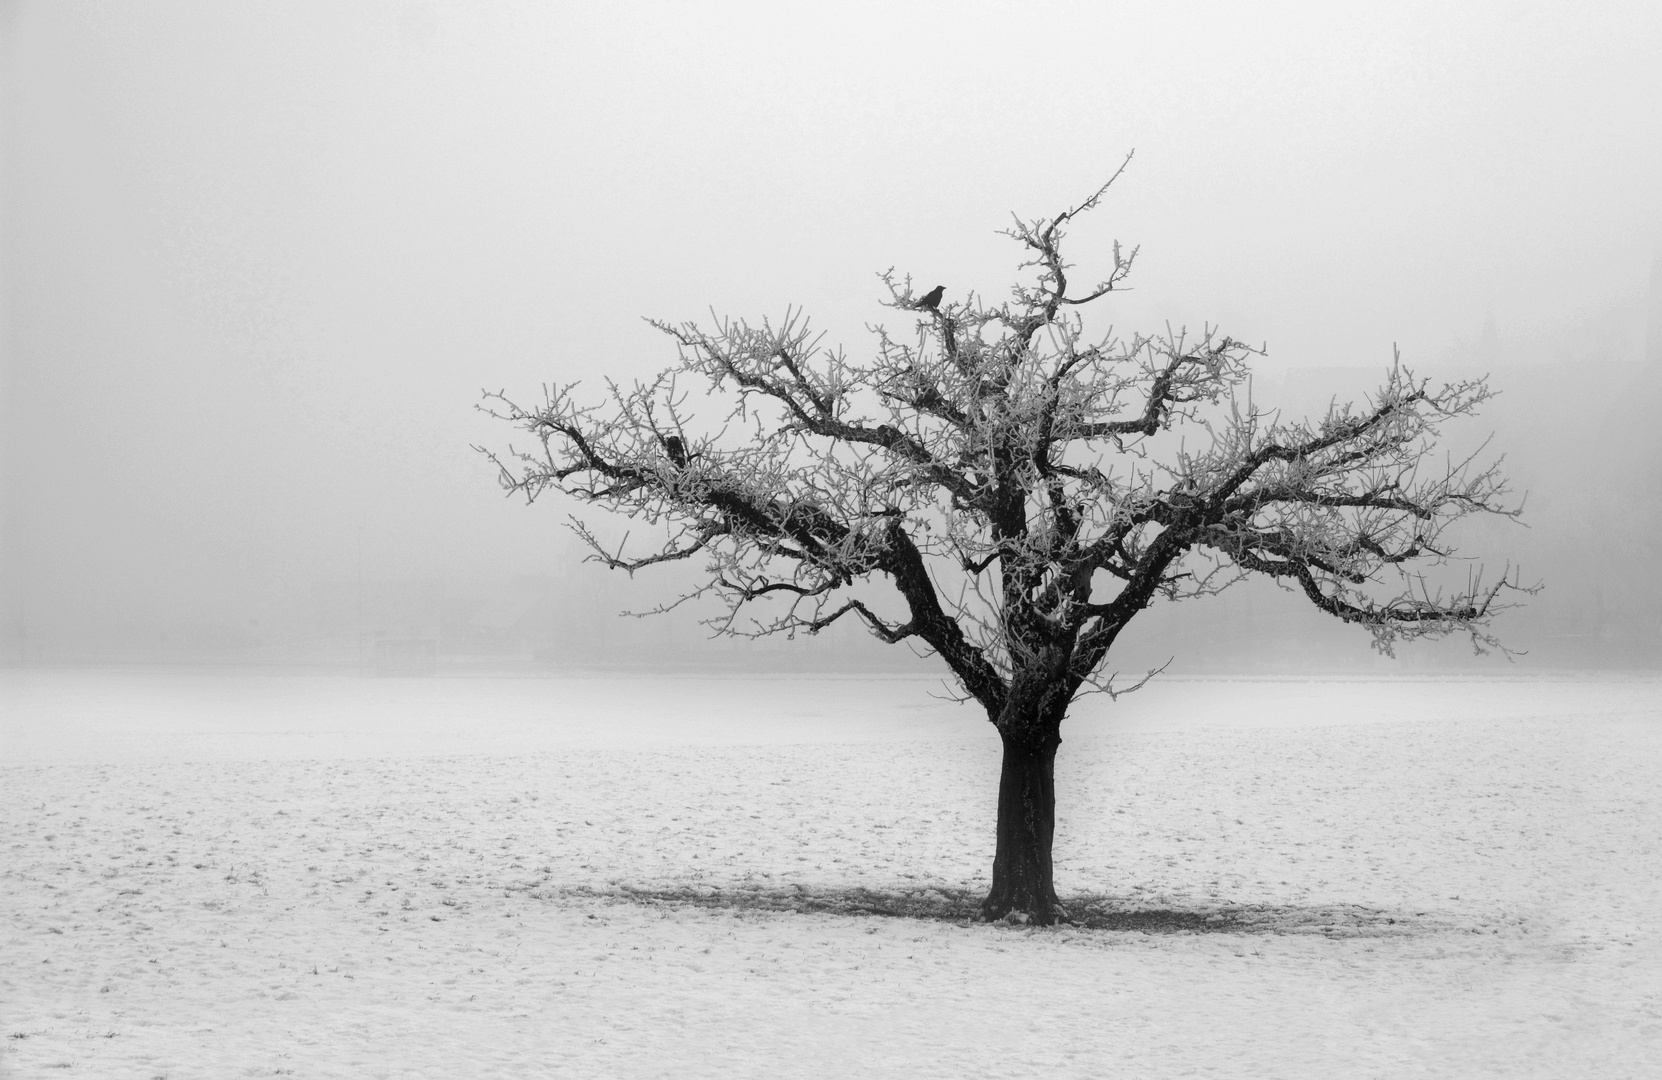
{"type": "Point", "coordinates": [1008, 493]}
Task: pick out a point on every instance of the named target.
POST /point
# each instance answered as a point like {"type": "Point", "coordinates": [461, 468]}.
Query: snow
{"type": "Point", "coordinates": [253, 875]}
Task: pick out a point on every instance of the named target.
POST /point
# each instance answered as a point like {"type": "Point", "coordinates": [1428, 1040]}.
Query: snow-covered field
{"type": "Point", "coordinates": [236, 875]}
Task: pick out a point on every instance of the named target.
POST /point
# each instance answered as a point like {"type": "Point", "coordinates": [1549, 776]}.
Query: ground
{"type": "Point", "coordinates": [235, 875]}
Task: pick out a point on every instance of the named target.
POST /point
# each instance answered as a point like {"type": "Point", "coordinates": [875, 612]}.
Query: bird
{"type": "Point", "coordinates": [677, 451]}
{"type": "Point", "coordinates": [932, 298]}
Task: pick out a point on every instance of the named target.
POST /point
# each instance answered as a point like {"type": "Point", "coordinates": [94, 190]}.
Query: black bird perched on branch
{"type": "Point", "coordinates": [932, 298]}
{"type": "Point", "coordinates": [677, 451]}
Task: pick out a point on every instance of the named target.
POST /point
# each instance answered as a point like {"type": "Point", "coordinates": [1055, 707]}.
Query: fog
{"type": "Point", "coordinates": [260, 260]}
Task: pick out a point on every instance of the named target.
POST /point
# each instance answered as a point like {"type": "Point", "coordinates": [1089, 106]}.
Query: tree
{"type": "Point", "coordinates": [1008, 494]}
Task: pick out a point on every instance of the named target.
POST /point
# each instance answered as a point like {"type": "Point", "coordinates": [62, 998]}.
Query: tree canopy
{"type": "Point", "coordinates": [1002, 472]}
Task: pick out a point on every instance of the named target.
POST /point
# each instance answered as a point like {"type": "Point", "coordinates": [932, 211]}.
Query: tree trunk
{"type": "Point", "coordinates": [1023, 884]}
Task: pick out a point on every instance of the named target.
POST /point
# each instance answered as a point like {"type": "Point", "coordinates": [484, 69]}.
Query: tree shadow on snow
{"type": "Point", "coordinates": [1086, 911]}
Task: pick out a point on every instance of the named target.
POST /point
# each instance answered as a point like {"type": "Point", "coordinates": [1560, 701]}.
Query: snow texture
{"type": "Point", "coordinates": [223, 876]}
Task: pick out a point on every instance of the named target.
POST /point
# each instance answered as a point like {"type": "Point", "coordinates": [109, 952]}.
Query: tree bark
{"type": "Point", "coordinates": [1023, 883]}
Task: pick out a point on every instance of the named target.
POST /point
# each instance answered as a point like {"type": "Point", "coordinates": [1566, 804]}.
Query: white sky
{"type": "Point", "coordinates": [259, 259]}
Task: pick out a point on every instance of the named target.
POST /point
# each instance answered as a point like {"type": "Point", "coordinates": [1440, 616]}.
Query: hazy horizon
{"type": "Point", "coordinates": [257, 263]}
